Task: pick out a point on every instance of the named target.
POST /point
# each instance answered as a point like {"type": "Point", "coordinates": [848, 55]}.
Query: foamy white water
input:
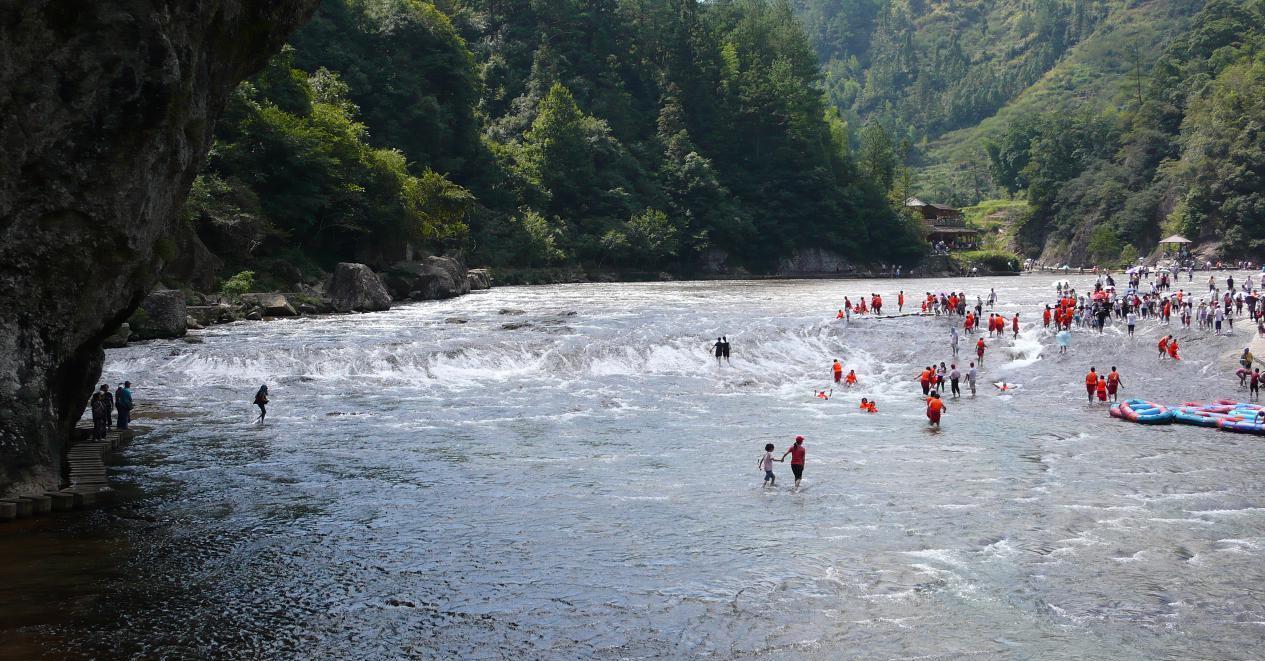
{"type": "Point", "coordinates": [565, 472]}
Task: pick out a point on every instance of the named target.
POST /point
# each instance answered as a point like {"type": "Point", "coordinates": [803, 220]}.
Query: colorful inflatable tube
{"type": "Point", "coordinates": [1142, 411]}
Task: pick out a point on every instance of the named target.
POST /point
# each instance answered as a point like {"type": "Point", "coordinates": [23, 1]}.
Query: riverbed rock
{"type": "Point", "coordinates": [273, 305]}
{"type": "Point", "coordinates": [192, 324]}
{"type": "Point", "coordinates": [207, 315]}
{"type": "Point", "coordinates": [119, 338]}
{"type": "Point", "coordinates": [162, 314]}
{"type": "Point", "coordinates": [479, 279]}
{"type": "Point", "coordinates": [428, 279]}
{"type": "Point", "coordinates": [356, 288]}
{"type": "Point", "coordinates": [108, 109]}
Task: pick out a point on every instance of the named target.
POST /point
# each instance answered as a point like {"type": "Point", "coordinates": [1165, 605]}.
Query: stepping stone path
{"type": "Point", "coordinates": [86, 472]}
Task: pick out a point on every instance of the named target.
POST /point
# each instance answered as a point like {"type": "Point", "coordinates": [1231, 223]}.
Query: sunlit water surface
{"type": "Point", "coordinates": [565, 472]}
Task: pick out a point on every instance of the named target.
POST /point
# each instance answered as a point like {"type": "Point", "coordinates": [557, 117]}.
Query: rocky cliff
{"type": "Point", "coordinates": [106, 110]}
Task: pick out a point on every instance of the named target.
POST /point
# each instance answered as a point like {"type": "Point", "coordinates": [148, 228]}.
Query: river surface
{"type": "Point", "coordinates": [565, 472]}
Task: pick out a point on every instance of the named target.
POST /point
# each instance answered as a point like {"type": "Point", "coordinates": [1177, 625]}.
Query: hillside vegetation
{"type": "Point", "coordinates": [622, 134]}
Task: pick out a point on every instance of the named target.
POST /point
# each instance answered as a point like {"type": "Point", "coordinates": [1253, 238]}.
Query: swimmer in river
{"type": "Point", "coordinates": [766, 462]}
{"type": "Point", "coordinates": [935, 408]}
{"type": "Point", "coordinates": [825, 394]}
{"type": "Point", "coordinates": [869, 406]}
{"type": "Point", "coordinates": [261, 400]}
{"type": "Point", "coordinates": [851, 379]}
{"type": "Point", "coordinates": [798, 453]}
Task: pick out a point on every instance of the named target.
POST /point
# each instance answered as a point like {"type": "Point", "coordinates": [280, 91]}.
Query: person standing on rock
{"type": "Point", "coordinates": [261, 400]}
{"type": "Point", "coordinates": [123, 403]}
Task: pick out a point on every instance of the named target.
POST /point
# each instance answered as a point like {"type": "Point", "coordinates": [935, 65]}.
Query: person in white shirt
{"type": "Point", "coordinates": [766, 463]}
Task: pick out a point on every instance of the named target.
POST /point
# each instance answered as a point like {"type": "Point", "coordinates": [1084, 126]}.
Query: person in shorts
{"type": "Point", "coordinates": [766, 463]}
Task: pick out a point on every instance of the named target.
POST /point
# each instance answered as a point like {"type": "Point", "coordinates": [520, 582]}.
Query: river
{"type": "Point", "coordinates": [565, 472]}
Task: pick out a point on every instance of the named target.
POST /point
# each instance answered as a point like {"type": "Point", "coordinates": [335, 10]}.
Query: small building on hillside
{"type": "Point", "coordinates": [943, 223]}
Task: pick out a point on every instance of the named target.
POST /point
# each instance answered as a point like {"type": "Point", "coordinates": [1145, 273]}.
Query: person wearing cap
{"type": "Point", "coordinates": [797, 453]}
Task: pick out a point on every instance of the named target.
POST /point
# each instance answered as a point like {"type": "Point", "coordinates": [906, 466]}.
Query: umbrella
{"type": "Point", "coordinates": [1176, 238]}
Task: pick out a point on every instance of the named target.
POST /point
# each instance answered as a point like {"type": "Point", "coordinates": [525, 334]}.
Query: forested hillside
{"type": "Point", "coordinates": [941, 77]}
{"type": "Point", "coordinates": [625, 134]}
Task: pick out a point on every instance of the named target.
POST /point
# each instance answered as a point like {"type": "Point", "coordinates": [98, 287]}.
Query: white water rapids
{"type": "Point", "coordinates": [566, 472]}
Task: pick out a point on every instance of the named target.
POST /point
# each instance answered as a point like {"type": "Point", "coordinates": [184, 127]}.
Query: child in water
{"type": "Point", "coordinates": [766, 462]}
{"type": "Point", "coordinates": [869, 406]}
{"type": "Point", "coordinates": [825, 394]}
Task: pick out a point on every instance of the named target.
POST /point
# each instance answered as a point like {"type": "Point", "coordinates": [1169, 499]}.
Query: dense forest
{"type": "Point", "coordinates": [1187, 156]}
{"type": "Point", "coordinates": [604, 134]}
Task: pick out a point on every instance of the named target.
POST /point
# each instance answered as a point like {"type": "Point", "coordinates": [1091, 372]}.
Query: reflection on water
{"type": "Point", "coordinates": [582, 483]}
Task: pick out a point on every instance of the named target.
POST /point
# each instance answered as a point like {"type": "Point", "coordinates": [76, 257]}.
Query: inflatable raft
{"type": "Point", "coordinates": [1228, 415]}
{"type": "Point", "coordinates": [1142, 411]}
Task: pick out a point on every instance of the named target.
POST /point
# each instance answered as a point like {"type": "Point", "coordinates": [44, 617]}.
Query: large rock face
{"type": "Point", "coordinates": [428, 279]}
{"type": "Point", "coordinates": [813, 261]}
{"type": "Point", "coordinates": [106, 111]}
{"type": "Point", "coordinates": [356, 288]}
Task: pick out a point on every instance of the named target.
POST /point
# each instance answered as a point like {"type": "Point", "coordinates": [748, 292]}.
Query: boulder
{"type": "Point", "coordinates": [192, 324]}
{"type": "Point", "coordinates": [273, 305]}
{"type": "Point", "coordinates": [119, 338]}
{"type": "Point", "coordinates": [354, 287]}
{"type": "Point", "coordinates": [162, 314]}
{"type": "Point", "coordinates": [429, 279]}
{"type": "Point", "coordinates": [479, 279]}
{"type": "Point", "coordinates": [207, 315]}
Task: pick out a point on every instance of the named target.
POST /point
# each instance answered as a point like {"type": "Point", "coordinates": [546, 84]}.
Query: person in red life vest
{"type": "Point", "coordinates": [851, 379]}
{"type": "Point", "coordinates": [969, 324]}
{"type": "Point", "coordinates": [1091, 384]}
{"type": "Point", "coordinates": [935, 408]}
{"type": "Point", "coordinates": [847, 304]}
{"type": "Point", "coordinates": [1163, 345]}
{"type": "Point", "coordinates": [900, 301]}
{"type": "Point", "coordinates": [1113, 384]}
{"type": "Point", "coordinates": [1172, 349]}
{"type": "Point", "coordinates": [979, 351]}
{"type": "Point", "coordinates": [840, 315]}
{"type": "Point", "coordinates": [1045, 317]}
{"type": "Point", "coordinates": [1102, 389]}
{"type": "Point", "coordinates": [798, 453]}
{"type": "Point", "coordinates": [925, 380]}
{"type": "Point", "coordinates": [837, 369]}
{"type": "Point", "coordinates": [1014, 324]}
{"type": "Point", "coordinates": [825, 394]}
{"type": "Point", "coordinates": [868, 406]}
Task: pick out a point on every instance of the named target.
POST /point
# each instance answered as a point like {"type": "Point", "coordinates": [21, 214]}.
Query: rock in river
{"type": "Point", "coordinates": [162, 314]}
{"type": "Point", "coordinates": [355, 287]}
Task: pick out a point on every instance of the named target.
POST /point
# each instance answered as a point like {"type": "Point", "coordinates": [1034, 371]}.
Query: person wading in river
{"type": "Point", "coordinates": [797, 453]}
{"type": "Point", "coordinates": [724, 348]}
{"type": "Point", "coordinates": [719, 349]}
{"type": "Point", "coordinates": [261, 400]}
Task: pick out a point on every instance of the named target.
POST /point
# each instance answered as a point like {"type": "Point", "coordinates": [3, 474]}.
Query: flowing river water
{"type": "Point", "coordinates": [565, 472]}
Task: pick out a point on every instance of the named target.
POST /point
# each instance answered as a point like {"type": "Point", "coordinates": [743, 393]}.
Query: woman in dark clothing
{"type": "Point", "coordinates": [261, 400]}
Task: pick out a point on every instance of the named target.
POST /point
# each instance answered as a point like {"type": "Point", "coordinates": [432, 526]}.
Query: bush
{"type": "Point", "coordinates": [238, 284]}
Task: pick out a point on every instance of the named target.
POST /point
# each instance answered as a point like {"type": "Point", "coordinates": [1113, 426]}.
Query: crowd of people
{"type": "Point", "coordinates": [1144, 294]}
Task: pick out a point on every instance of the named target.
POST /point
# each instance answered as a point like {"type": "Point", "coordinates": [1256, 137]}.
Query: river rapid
{"type": "Point", "coordinates": [565, 472]}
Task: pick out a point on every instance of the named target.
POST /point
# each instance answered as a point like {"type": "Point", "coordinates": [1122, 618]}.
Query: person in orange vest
{"type": "Point", "coordinates": [1102, 390]}
{"type": "Point", "coordinates": [900, 301]}
{"type": "Point", "coordinates": [868, 406]}
{"type": "Point", "coordinates": [925, 380]}
{"type": "Point", "coordinates": [1045, 317]}
{"type": "Point", "coordinates": [1014, 324]}
{"type": "Point", "coordinates": [1172, 349]}
{"type": "Point", "coordinates": [935, 408]}
{"type": "Point", "coordinates": [840, 315]}
{"type": "Point", "coordinates": [969, 324]}
{"type": "Point", "coordinates": [1163, 345]}
{"type": "Point", "coordinates": [1113, 384]}
{"type": "Point", "coordinates": [837, 369]}
{"type": "Point", "coordinates": [825, 394]}
{"type": "Point", "coordinates": [851, 379]}
{"type": "Point", "coordinates": [877, 304]}
{"type": "Point", "coordinates": [1091, 384]}
{"type": "Point", "coordinates": [979, 351]}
